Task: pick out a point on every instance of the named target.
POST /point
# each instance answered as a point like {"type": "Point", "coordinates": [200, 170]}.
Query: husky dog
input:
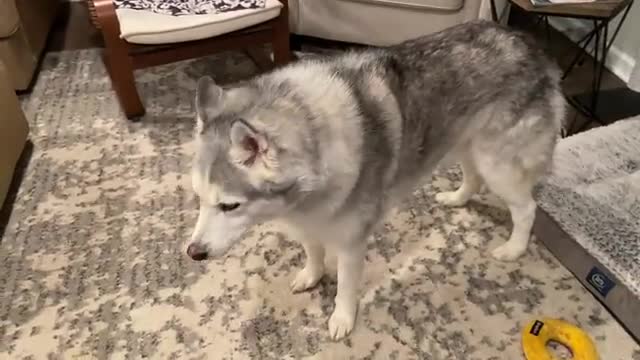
{"type": "Point", "coordinates": [329, 144]}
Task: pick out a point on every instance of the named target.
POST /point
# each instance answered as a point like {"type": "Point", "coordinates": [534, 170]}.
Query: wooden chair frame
{"type": "Point", "coordinates": [121, 58]}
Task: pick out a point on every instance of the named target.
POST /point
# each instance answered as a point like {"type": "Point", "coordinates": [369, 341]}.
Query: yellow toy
{"type": "Point", "coordinates": [538, 333]}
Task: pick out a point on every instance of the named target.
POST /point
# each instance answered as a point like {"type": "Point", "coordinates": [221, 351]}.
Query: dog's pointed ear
{"type": "Point", "coordinates": [247, 143]}
{"type": "Point", "coordinates": [208, 101]}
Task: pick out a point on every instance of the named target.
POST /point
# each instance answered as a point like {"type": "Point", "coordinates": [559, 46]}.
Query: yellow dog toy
{"type": "Point", "coordinates": [538, 333]}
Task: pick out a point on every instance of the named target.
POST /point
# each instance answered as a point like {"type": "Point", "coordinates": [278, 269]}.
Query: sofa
{"type": "Point", "coordinates": [384, 22]}
{"type": "Point", "coordinates": [24, 26]}
{"type": "Point", "coordinates": [13, 131]}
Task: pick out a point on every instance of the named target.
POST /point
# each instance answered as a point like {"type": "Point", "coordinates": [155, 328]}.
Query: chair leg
{"type": "Point", "coordinates": [296, 42]}
{"type": "Point", "coordinates": [260, 58]}
{"type": "Point", "coordinates": [120, 69]}
{"type": "Point", "coordinates": [117, 60]}
{"type": "Point", "coordinates": [281, 40]}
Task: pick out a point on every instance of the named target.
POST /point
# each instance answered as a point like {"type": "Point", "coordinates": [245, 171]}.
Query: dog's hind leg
{"type": "Point", "coordinates": [313, 269]}
{"type": "Point", "coordinates": [523, 210]}
{"type": "Point", "coordinates": [471, 183]}
{"type": "Point", "coordinates": [514, 185]}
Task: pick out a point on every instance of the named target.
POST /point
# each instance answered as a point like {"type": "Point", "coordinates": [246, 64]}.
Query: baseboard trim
{"type": "Point", "coordinates": [618, 61]}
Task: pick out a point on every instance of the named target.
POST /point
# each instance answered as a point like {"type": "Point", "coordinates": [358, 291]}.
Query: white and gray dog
{"type": "Point", "coordinates": [330, 144]}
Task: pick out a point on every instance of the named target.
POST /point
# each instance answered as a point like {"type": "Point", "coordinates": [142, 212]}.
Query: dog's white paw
{"type": "Point", "coordinates": [509, 251]}
{"type": "Point", "coordinates": [306, 279]}
{"type": "Point", "coordinates": [341, 322]}
{"type": "Point", "coordinates": [451, 198]}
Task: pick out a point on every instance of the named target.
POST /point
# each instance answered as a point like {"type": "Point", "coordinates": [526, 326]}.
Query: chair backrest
{"type": "Point", "coordinates": [378, 22]}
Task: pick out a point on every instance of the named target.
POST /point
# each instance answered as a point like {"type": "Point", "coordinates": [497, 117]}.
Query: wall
{"type": "Point", "coordinates": [628, 40]}
{"type": "Point", "coordinates": [625, 51]}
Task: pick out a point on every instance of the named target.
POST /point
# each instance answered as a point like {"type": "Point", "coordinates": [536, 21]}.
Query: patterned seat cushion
{"type": "Point", "coordinates": [172, 21]}
{"type": "Point", "coordinates": [193, 7]}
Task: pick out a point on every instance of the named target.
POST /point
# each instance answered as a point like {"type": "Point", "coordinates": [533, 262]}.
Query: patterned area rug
{"type": "Point", "coordinates": [92, 263]}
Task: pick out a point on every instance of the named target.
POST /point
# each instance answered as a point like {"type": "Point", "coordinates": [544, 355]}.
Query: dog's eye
{"type": "Point", "coordinates": [228, 207]}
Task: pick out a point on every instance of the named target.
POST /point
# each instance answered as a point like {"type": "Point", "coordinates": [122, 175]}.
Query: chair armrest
{"type": "Point", "coordinates": [9, 19]}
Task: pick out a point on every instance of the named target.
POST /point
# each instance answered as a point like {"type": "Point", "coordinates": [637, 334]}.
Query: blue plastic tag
{"type": "Point", "coordinates": [599, 281]}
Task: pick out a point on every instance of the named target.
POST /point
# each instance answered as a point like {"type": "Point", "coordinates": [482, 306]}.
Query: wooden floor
{"type": "Point", "coordinates": [73, 30]}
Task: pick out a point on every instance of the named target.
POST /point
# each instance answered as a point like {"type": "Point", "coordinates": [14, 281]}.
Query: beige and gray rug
{"type": "Point", "coordinates": [91, 263]}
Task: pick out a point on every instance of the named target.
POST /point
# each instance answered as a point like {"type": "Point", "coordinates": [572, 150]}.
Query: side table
{"type": "Point", "coordinates": [600, 13]}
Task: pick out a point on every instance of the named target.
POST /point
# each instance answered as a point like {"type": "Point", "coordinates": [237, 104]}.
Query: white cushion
{"type": "Point", "coordinates": [145, 27]}
{"type": "Point", "coordinates": [443, 5]}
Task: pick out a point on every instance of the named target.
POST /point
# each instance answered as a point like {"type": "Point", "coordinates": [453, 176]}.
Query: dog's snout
{"type": "Point", "coordinates": [197, 252]}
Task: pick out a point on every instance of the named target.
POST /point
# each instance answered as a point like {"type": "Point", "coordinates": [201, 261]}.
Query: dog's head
{"type": "Point", "coordinates": [249, 165]}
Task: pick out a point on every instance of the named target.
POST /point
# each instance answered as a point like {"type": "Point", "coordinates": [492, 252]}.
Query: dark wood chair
{"type": "Point", "coordinates": [121, 58]}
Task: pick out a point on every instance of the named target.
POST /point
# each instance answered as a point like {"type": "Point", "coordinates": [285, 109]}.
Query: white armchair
{"type": "Point", "coordinates": [382, 22]}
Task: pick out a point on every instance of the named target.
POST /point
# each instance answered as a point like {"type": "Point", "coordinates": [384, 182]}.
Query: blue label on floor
{"type": "Point", "coordinates": [601, 282]}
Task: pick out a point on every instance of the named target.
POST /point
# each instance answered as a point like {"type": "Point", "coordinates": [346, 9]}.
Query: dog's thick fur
{"type": "Point", "coordinates": [329, 144]}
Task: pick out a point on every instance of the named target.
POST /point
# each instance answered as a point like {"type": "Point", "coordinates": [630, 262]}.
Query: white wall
{"type": "Point", "coordinates": [629, 38]}
{"type": "Point", "coordinates": [624, 53]}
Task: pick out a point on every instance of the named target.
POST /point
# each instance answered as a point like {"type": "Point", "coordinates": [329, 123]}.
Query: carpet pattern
{"type": "Point", "coordinates": [92, 263]}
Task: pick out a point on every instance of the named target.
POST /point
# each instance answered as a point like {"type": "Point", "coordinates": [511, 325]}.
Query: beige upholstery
{"type": "Point", "coordinates": [8, 18]}
{"type": "Point", "coordinates": [382, 22]}
{"type": "Point", "coordinates": [24, 25]}
{"type": "Point", "coordinates": [13, 132]}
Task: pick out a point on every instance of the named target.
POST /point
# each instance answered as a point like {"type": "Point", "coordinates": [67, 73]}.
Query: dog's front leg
{"type": "Point", "coordinates": [350, 266]}
{"type": "Point", "coordinates": [313, 269]}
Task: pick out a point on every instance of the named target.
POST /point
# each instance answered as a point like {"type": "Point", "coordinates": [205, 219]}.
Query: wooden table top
{"type": "Point", "coordinates": [599, 9]}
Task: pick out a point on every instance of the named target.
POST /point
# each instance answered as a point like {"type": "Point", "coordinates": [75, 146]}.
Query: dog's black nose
{"type": "Point", "coordinates": [197, 252]}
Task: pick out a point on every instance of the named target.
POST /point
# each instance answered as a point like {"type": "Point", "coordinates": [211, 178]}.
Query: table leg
{"type": "Point", "coordinates": [494, 11]}
{"type": "Point", "coordinates": [601, 50]}
{"type": "Point", "coordinates": [598, 76]}
{"type": "Point", "coordinates": [596, 63]}
{"type": "Point", "coordinates": [581, 54]}
{"type": "Point", "coordinates": [599, 56]}
{"type": "Point", "coordinates": [547, 29]}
